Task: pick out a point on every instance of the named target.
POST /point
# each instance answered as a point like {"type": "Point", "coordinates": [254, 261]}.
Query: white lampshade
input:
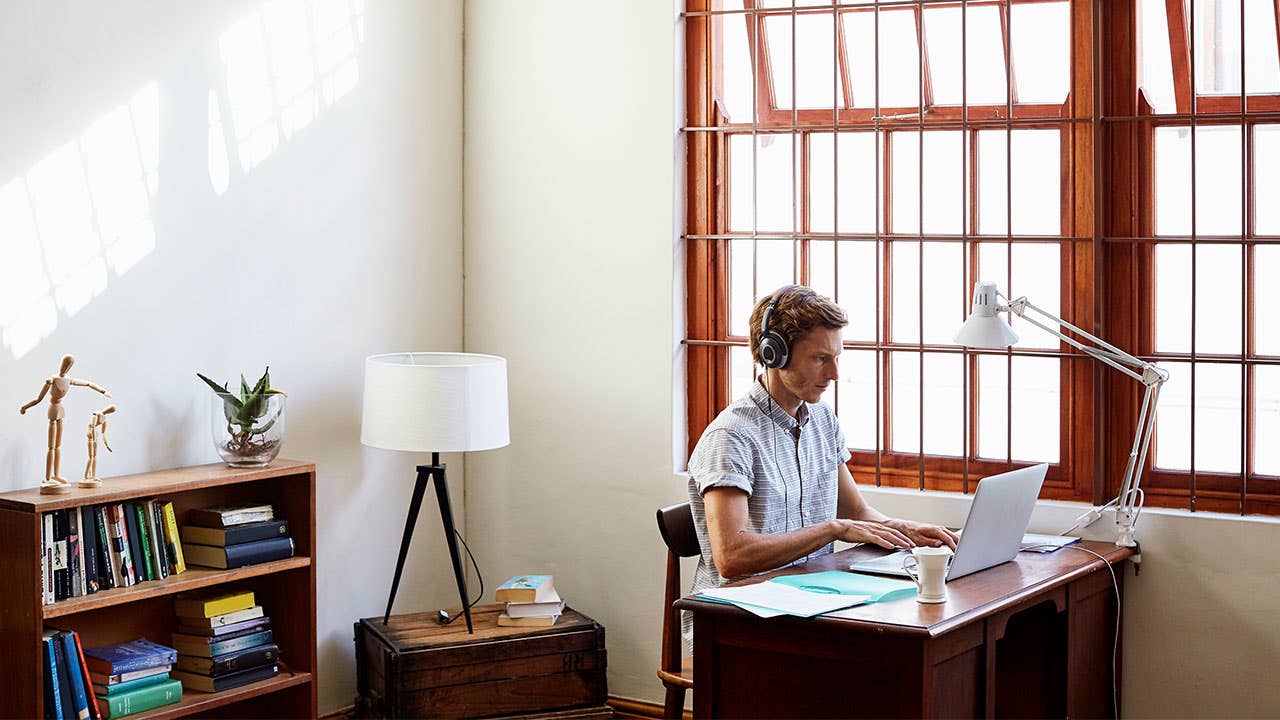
{"type": "Point", "coordinates": [435, 402]}
{"type": "Point", "coordinates": [984, 328]}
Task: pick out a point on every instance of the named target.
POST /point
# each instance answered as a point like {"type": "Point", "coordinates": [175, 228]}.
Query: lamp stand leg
{"type": "Point", "coordinates": [446, 515]}
{"type": "Point", "coordinates": [414, 505]}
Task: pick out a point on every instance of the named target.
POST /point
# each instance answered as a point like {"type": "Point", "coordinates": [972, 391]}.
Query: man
{"type": "Point", "coordinates": [768, 482]}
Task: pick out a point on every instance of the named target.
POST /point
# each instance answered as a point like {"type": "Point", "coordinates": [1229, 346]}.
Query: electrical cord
{"type": "Point", "coordinates": [478, 576]}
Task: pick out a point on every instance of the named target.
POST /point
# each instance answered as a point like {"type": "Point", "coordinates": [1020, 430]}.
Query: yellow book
{"type": "Point", "coordinates": [505, 620]}
{"type": "Point", "coordinates": [174, 542]}
{"type": "Point", "coordinates": [205, 606]}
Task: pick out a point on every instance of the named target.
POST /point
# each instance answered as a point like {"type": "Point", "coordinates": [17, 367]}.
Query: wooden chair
{"type": "Point", "coordinates": [675, 523]}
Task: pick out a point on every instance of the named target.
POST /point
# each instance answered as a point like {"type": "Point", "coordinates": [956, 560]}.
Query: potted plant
{"type": "Point", "coordinates": [248, 427]}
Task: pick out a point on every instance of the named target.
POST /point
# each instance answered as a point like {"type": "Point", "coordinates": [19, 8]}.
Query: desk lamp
{"type": "Point", "coordinates": [434, 402]}
{"type": "Point", "coordinates": [984, 329]}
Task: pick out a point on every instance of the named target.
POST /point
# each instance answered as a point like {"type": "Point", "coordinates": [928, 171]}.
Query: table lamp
{"type": "Point", "coordinates": [434, 402]}
{"type": "Point", "coordinates": [985, 329]}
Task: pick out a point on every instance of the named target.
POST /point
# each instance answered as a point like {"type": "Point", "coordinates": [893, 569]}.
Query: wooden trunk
{"type": "Point", "coordinates": [415, 667]}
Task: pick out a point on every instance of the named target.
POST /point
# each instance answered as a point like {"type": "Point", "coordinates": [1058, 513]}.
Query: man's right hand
{"type": "Point", "coordinates": [863, 531]}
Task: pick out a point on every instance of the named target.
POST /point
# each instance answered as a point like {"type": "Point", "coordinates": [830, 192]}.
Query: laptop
{"type": "Point", "coordinates": [992, 534]}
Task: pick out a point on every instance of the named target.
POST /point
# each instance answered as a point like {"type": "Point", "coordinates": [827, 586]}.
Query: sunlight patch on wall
{"type": "Point", "coordinates": [284, 64]}
{"type": "Point", "coordinates": [79, 215]}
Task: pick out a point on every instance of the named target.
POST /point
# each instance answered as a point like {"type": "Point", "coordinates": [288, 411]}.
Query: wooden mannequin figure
{"type": "Point", "coordinates": [96, 420]}
{"type": "Point", "coordinates": [56, 388]}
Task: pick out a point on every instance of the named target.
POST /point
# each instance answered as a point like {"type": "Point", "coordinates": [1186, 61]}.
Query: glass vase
{"type": "Point", "coordinates": [247, 437]}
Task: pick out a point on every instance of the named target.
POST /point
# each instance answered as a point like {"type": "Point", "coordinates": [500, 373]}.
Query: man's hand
{"type": "Point", "coordinates": [922, 534]}
{"type": "Point", "coordinates": [876, 533]}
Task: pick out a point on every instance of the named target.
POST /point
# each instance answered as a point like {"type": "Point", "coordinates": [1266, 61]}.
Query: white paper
{"type": "Point", "coordinates": [1031, 542]}
{"type": "Point", "coordinates": [787, 600]}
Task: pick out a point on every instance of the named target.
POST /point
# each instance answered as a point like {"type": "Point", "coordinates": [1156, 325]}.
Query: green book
{"type": "Point", "coordinates": [130, 685]}
{"type": "Point", "coordinates": [144, 532]}
{"type": "Point", "coordinates": [139, 700]}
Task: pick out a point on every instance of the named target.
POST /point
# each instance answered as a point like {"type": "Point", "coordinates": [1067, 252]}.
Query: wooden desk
{"type": "Point", "coordinates": [1028, 638]}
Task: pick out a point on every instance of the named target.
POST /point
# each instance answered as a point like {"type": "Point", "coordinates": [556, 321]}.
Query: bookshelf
{"type": "Point", "coordinates": [285, 588]}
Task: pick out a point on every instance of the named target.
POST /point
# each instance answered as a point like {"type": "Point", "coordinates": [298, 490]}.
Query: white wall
{"type": "Point", "coordinates": [343, 241]}
{"type": "Point", "coordinates": [570, 256]}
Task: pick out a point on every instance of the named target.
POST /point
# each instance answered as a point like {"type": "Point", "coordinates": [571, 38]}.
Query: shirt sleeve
{"type": "Point", "coordinates": [722, 459]}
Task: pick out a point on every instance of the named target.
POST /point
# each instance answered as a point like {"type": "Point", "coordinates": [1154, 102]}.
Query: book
{"type": "Point", "coordinates": [138, 512]}
{"type": "Point", "coordinates": [527, 588]}
{"type": "Point", "coordinates": [234, 556]}
{"type": "Point", "coordinates": [64, 676]}
{"type": "Point", "coordinates": [225, 631]}
{"type": "Point", "coordinates": [98, 678]}
{"type": "Point", "coordinates": [157, 543]}
{"type": "Point", "coordinates": [46, 566]}
{"type": "Point", "coordinates": [89, 544]}
{"type": "Point", "coordinates": [176, 560]}
{"type": "Point", "coordinates": [79, 699]}
{"type": "Point", "coordinates": [519, 610]}
{"type": "Point", "coordinates": [94, 712]}
{"type": "Point", "coordinates": [213, 646]}
{"type": "Point", "coordinates": [106, 569]}
{"type": "Point", "coordinates": [128, 657]}
{"type": "Point", "coordinates": [117, 688]}
{"type": "Point", "coordinates": [75, 553]}
{"type": "Point", "coordinates": [195, 681]}
{"type": "Point", "coordinates": [52, 679]}
{"type": "Point", "coordinates": [232, 618]}
{"type": "Point", "coordinates": [227, 515]}
{"type": "Point", "coordinates": [235, 534]}
{"type": "Point", "coordinates": [505, 620]}
{"type": "Point", "coordinates": [61, 570]}
{"type": "Point", "coordinates": [228, 663]}
{"type": "Point", "coordinates": [121, 558]}
{"type": "Point", "coordinates": [133, 538]}
{"type": "Point", "coordinates": [212, 604]}
{"type": "Point", "coordinates": [141, 699]}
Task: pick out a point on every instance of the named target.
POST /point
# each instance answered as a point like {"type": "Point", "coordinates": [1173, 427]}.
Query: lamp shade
{"type": "Point", "coordinates": [435, 402]}
{"type": "Point", "coordinates": [984, 328]}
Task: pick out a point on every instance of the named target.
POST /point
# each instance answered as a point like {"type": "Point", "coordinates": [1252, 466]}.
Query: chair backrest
{"type": "Point", "coordinates": [675, 523]}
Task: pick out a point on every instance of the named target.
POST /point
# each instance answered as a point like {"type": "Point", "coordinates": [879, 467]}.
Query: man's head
{"type": "Point", "coordinates": [811, 326]}
{"type": "Point", "coordinates": [799, 310]}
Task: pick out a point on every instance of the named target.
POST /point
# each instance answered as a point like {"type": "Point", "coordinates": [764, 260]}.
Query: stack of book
{"type": "Point", "coordinates": [130, 677]}
{"type": "Point", "coordinates": [223, 641]}
{"type": "Point", "coordinates": [98, 547]}
{"type": "Point", "coordinates": [234, 536]}
{"type": "Point", "coordinates": [531, 601]}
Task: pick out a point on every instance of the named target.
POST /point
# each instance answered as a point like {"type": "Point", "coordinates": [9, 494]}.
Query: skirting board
{"type": "Point", "coordinates": [639, 709]}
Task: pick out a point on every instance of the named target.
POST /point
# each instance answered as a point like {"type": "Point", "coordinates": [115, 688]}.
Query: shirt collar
{"type": "Point", "coordinates": [774, 412]}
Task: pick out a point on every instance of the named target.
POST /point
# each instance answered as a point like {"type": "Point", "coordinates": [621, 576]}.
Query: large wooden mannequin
{"type": "Point", "coordinates": [97, 428]}
{"type": "Point", "coordinates": [56, 388]}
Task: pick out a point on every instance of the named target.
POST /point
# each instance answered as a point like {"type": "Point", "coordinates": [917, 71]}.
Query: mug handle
{"type": "Point", "coordinates": [909, 570]}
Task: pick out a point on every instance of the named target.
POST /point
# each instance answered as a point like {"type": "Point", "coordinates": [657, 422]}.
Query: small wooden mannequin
{"type": "Point", "coordinates": [96, 420]}
{"type": "Point", "coordinates": [56, 388]}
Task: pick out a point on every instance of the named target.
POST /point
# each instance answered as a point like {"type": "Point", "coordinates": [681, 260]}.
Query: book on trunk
{"type": "Point", "coordinates": [176, 560]}
{"type": "Point", "coordinates": [121, 687]}
{"type": "Point", "coordinates": [227, 515]}
{"type": "Point", "coordinates": [127, 657]}
{"type": "Point", "coordinates": [195, 681]}
{"type": "Point", "coordinates": [228, 663]}
{"type": "Point", "coordinates": [141, 699]}
{"type": "Point", "coordinates": [234, 556]}
{"type": "Point", "coordinates": [214, 646]}
{"type": "Point", "coordinates": [505, 620]}
{"type": "Point", "coordinates": [89, 544]}
{"type": "Point", "coordinates": [225, 631]}
{"type": "Point", "coordinates": [210, 604]}
{"type": "Point", "coordinates": [519, 610]}
{"type": "Point", "coordinates": [226, 619]}
{"type": "Point", "coordinates": [527, 588]}
{"type": "Point", "coordinates": [235, 534]}
{"type": "Point", "coordinates": [98, 678]}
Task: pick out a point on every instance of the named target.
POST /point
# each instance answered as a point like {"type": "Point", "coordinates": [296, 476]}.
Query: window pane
{"type": "Point", "coordinates": [1037, 274]}
{"type": "Point", "coordinates": [1218, 154]}
{"type": "Point", "coordinates": [1216, 31]}
{"type": "Point", "coordinates": [1266, 180]}
{"type": "Point", "coordinates": [855, 198]}
{"type": "Point", "coordinates": [741, 371]}
{"type": "Point", "coordinates": [945, 295]}
{"type": "Point", "coordinates": [822, 268]}
{"type": "Point", "coordinates": [985, 55]}
{"type": "Point", "coordinates": [770, 262]}
{"type": "Point", "coordinates": [1037, 194]}
{"type": "Point", "coordinates": [1157, 64]}
{"type": "Point", "coordinates": [1040, 34]}
{"type": "Point", "coordinates": [944, 182]}
{"type": "Point", "coordinates": [1218, 292]}
{"type": "Point", "coordinates": [856, 398]}
{"type": "Point", "coordinates": [858, 289]}
{"type": "Point", "coordinates": [943, 403]}
{"type": "Point", "coordinates": [1266, 301]}
{"type": "Point", "coordinates": [817, 84]}
{"type": "Point", "coordinates": [1217, 418]}
{"type": "Point", "coordinates": [1037, 398]}
{"type": "Point", "coordinates": [993, 407]}
{"type": "Point", "coordinates": [775, 167]}
{"type": "Point", "coordinates": [899, 58]}
{"type": "Point", "coordinates": [1266, 408]}
{"type": "Point", "coordinates": [737, 79]}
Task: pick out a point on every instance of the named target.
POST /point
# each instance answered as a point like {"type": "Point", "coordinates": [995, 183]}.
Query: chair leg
{"type": "Point", "coordinates": [674, 707]}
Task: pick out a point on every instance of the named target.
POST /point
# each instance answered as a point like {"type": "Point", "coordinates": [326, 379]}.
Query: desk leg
{"type": "Point", "coordinates": [1091, 630]}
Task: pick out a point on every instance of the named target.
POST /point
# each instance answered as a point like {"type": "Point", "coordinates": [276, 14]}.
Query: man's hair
{"type": "Point", "coordinates": [799, 310]}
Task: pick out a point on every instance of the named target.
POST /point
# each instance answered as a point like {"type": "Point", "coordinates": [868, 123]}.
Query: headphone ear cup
{"type": "Point", "coordinates": [774, 352]}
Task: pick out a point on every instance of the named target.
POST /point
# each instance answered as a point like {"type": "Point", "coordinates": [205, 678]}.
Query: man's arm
{"type": "Point", "coordinates": [738, 551]}
{"type": "Point", "coordinates": [851, 505]}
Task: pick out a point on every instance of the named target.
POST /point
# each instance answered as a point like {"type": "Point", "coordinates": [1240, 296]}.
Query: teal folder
{"type": "Point", "coordinates": [847, 583]}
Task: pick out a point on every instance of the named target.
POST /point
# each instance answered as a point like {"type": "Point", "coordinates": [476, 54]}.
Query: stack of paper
{"type": "Point", "coordinates": [810, 594]}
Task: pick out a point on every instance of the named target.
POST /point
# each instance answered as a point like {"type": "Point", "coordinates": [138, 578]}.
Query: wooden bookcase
{"type": "Point", "coordinates": [285, 588]}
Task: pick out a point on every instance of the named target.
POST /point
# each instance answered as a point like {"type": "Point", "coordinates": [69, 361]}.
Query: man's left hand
{"type": "Point", "coordinates": [927, 535]}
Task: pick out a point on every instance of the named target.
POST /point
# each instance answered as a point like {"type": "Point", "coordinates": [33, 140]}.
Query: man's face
{"type": "Point", "coordinates": [812, 367]}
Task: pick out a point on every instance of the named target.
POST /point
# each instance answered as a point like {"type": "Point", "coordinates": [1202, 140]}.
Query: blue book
{"type": "Point", "coordinates": [64, 676]}
{"type": "Point", "coordinates": [52, 679]}
{"type": "Point", "coordinates": [79, 699]}
{"type": "Point", "coordinates": [139, 654]}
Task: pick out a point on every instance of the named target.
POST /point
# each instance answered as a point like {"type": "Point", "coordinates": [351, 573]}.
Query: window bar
{"type": "Point", "coordinates": [882, 197]}
{"type": "Point", "coordinates": [968, 147]}
{"type": "Point", "coordinates": [796, 211]}
{"type": "Point", "coordinates": [1246, 163]}
{"type": "Point", "coordinates": [920, 50]}
{"type": "Point", "coordinates": [1006, 23]}
{"type": "Point", "coordinates": [839, 89]}
{"type": "Point", "coordinates": [1099, 217]}
{"type": "Point", "coordinates": [1191, 78]}
{"type": "Point", "coordinates": [756, 25]}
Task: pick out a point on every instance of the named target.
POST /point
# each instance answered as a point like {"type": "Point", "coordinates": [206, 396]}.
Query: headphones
{"type": "Point", "coordinates": [774, 351]}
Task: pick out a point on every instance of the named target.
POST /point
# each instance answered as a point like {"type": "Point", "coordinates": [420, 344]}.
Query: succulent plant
{"type": "Point", "coordinates": [245, 413]}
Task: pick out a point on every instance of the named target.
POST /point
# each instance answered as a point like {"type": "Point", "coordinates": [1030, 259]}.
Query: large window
{"type": "Point", "coordinates": [890, 153]}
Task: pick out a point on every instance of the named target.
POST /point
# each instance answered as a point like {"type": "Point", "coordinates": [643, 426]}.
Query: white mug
{"type": "Point", "coordinates": [927, 566]}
